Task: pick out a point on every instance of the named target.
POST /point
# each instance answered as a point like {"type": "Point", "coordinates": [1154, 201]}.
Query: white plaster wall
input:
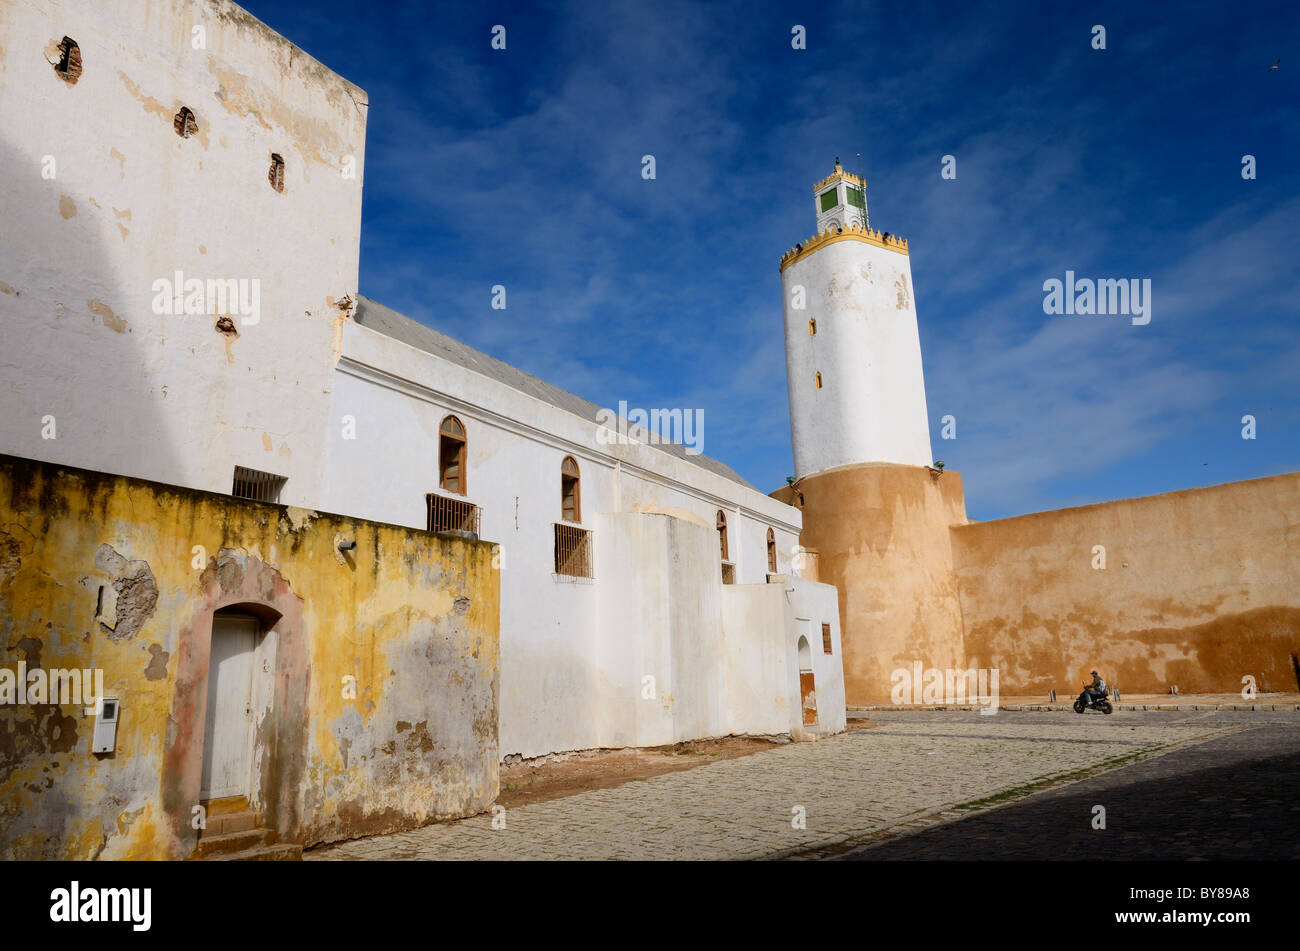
{"type": "Point", "coordinates": [817, 604]}
{"type": "Point", "coordinates": [759, 694]}
{"type": "Point", "coordinates": [871, 407]}
{"type": "Point", "coordinates": [660, 618]}
{"type": "Point", "coordinates": [168, 398]}
{"type": "Point", "coordinates": [566, 682]}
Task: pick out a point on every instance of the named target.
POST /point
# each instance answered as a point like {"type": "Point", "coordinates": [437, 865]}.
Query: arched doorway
{"type": "Point", "coordinates": [807, 683]}
{"type": "Point", "coordinates": [240, 598]}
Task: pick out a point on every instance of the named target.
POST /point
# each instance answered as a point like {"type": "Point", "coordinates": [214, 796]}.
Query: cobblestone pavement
{"type": "Point", "coordinates": [914, 770]}
{"type": "Point", "coordinates": [1234, 797]}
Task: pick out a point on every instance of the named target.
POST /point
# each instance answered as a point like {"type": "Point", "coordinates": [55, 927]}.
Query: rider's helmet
{"type": "Point", "coordinates": [1094, 673]}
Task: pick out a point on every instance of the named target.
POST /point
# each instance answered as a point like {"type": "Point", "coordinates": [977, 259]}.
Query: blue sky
{"type": "Point", "coordinates": [523, 168]}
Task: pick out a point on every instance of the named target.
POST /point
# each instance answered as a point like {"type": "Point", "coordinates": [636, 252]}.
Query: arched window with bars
{"type": "Point", "coordinates": [771, 551]}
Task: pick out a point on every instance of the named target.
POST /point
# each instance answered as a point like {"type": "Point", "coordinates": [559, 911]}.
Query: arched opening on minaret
{"type": "Point", "coordinates": [69, 65]}
{"type": "Point", "coordinates": [185, 124]}
{"type": "Point", "coordinates": [276, 173]}
{"type": "Point", "coordinates": [817, 379]}
{"type": "Point", "coordinates": [812, 326]}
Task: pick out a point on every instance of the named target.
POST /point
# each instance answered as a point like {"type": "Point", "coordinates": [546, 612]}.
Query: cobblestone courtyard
{"type": "Point", "coordinates": [1231, 798]}
{"type": "Point", "coordinates": [855, 791]}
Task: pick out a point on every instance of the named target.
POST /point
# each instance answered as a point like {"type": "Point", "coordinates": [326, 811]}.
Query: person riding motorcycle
{"type": "Point", "coordinates": [1096, 690]}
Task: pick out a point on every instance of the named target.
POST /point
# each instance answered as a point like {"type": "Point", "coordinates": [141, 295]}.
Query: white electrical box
{"type": "Point", "coordinates": [105, 738]}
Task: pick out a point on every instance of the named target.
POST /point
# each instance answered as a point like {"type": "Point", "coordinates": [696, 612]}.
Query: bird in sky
{"type": "Point", "coordinates": [1275, 66]}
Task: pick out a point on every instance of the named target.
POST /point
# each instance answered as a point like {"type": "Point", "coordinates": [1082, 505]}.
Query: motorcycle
{"type": "Point", "coordinates": [1085, 702]}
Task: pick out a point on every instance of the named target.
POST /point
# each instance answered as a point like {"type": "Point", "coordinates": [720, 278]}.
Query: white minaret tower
{"type": "Point", "coordinates": [852, 349]}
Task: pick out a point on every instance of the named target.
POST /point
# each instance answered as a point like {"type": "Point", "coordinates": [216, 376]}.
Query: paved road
{"type": "Point", "coordinates": [915, 770]}
{"type": "Point", "coordinates": [1235, 797]}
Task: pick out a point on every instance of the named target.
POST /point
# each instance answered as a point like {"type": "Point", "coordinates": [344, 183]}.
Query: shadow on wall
{"type": "Point", "coordinates": [76, 387]}
{"type": "Point", "coordinates": [81, 345]}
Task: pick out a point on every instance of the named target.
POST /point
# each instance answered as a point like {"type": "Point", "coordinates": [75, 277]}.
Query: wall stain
{"type": "Point", "coordinates": [104, 313]}
{"type": "Point", "coordinates": [157, 667]}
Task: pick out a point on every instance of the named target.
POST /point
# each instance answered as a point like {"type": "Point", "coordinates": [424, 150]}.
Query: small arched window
{"type": "Point", "coordinates": [451, 455]}
{"type": "Point", "coordinates": [276, 175]}
{"type": "Point", "coordinates": [722, 534]}
{"type": "Point", "coordinates": [817, 380]}
{"type": "Point", "coordinates": [185, 124]}
{"type": "Point", "coordinates": [812, 326]}
{"type": "Point", "coordinates": [570, 491]}
{"type": "Point", "coordinates": [771, 551]}
{"type": "Point", "coordinates": [69, 65]}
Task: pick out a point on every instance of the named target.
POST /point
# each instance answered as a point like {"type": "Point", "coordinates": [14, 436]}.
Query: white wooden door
{"type": "Point", "coordinates": [228, 734]}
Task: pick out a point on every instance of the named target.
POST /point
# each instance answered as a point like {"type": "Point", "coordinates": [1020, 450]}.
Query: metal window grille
{"type": "Point", "coordinates": [572, 551]}
{"type": "Point", "coordinates": [258, 486]}
{"type": "Point", "coordinates": [826, 638]}
{"type": "Point", "coordinates": [728, 573]}
{"type": "Point", "coordinates": [451, 515]}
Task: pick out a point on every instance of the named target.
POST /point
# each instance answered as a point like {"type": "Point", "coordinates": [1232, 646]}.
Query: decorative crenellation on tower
{"type": "Point", "coordinates": [881, 239]}
{"type": "Point", "coordinates": [841, 201]}
{"type": "Point", "coordinates": [853, 349]}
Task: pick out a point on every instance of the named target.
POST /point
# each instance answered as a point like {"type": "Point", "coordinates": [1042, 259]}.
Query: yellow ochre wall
{"type": "Point", "coordinates": [1201, 588]}
{"type": "Point", "coordinates": [413, 617]}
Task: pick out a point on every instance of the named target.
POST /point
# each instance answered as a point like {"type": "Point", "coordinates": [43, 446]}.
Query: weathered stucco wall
{"type": "Point", "coordinates": [881, 532]}
{"type": "Point", "coordinates": [1199, 589]}
{"type": "Point", "coordinates": [99, 571]}
{"type": "Point", "coordinates": [103, 198]}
